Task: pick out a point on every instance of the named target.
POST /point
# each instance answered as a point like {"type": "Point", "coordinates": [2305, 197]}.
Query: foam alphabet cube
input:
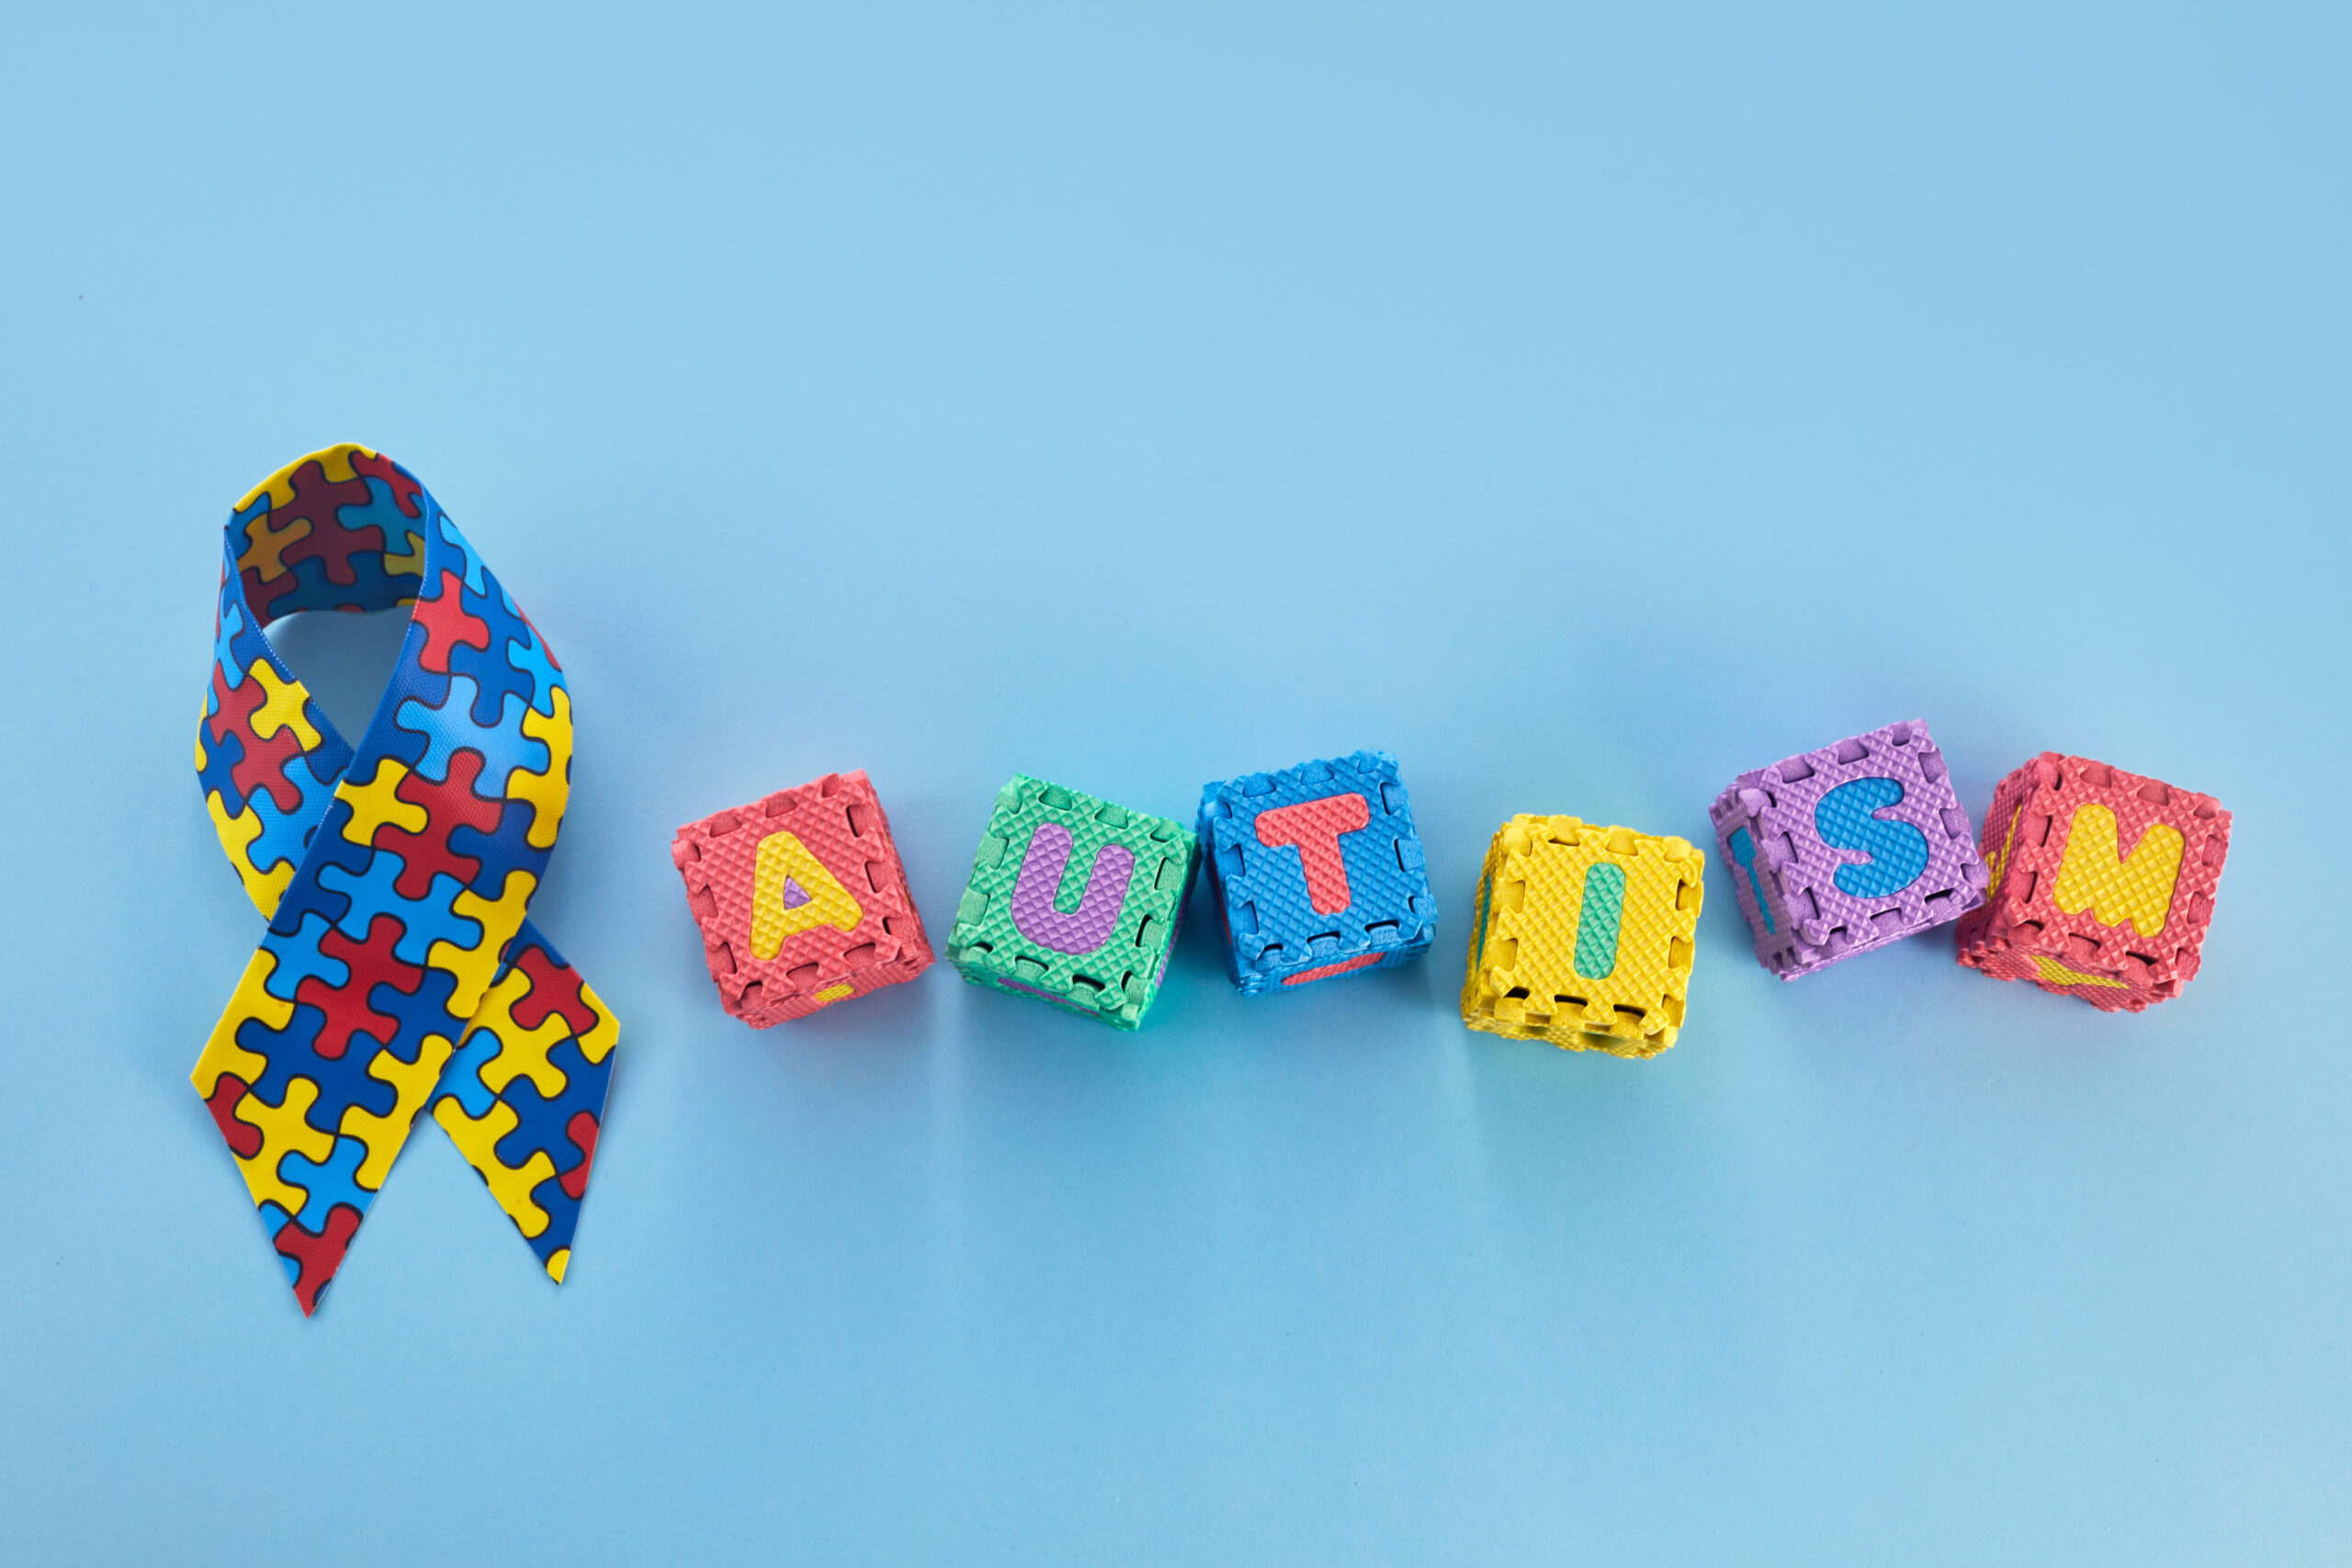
{"type": "Point", "coordinates": [1316, 871]}
{"type": "Point", "coordinates": [1584, 936]}
{"type": "Point", "coordinates": [2103, 883]}
{"type": "Point", "coordinates": [1074, 900]}
{"type": "Point", "coordinates": [802, 901]}
{"type": "Point", "coordinates": [1837, 851]}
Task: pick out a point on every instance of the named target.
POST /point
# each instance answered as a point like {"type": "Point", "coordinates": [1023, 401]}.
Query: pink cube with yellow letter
{"type": "Point", "coordinates": [2103, 883]}
{"type": "Point", "coordinates": [801, 900]}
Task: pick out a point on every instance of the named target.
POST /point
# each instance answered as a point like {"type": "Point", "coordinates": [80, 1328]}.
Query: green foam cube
{"type": "Point", "coordinates": [1075, 900]}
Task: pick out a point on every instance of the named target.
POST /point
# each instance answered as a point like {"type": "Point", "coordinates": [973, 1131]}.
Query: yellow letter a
{"type": "Point", "coordinates": [2093, 876]}
{"type": "Point", "coordinates": [792, 891]}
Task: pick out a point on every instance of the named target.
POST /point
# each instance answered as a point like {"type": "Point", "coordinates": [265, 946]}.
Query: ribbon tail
{"type": "Point", "coordinates": [313, 1185]}
{"type": "Point", "coordinates": [523, 1097]}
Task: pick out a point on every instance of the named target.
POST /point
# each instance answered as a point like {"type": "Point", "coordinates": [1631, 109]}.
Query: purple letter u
{"type": "Point", "coordinates": [1089, 925]}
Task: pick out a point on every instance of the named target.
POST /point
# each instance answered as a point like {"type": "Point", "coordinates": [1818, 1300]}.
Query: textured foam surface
{"type": "Point", "coordinates": [1837, 851]}
{"type": "Point", "coordinates": [1316, 871]}
{"type": "Point", "coordinates": [802, 899]}
{"type": "Point", "coordinates": [1584, 936]}
{"type": "Point", "coordinates": [1075, 900]}
{"type": "Point", "coordinates": [2102, 883]}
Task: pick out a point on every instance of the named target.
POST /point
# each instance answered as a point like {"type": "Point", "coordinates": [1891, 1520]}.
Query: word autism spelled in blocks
{"type": "Point", "coordinates": [2103, 883]}
{"type": "Point", "coordinates": [802, 901]}
{"type": "Point", "coordinates": [1584, 936]}
{"type": "Point", "coordinates": [1073, 899]}
{"type": "Point", "coordinates": [1843, 850]}
{"type": "Point", "coordinates": [1316, 872]}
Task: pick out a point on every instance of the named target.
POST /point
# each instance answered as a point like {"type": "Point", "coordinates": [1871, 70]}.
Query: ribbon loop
{"type": "Point", "coordinates": [398, 970]}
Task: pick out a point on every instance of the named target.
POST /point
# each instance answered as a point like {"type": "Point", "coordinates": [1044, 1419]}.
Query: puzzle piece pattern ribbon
{"type": "Point", "coordinates": [399, 971]}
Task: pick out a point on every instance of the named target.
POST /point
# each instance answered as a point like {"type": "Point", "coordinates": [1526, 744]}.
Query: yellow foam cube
{"type": "Point", "coordinates": [1584, 936]}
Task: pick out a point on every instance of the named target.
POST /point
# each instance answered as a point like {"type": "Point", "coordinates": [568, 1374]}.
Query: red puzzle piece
{"type": "Point", "coordinates": [321, 501]}
{"type": "Point", "coordinates": [318, 1256]}
{"type": "Point", "coordinates": [244, 1138]}
{"type": "Point", "coordinates": [450, 626]}
{"type": "Point", "coordinates": [427, 854]}
{"type": "Point", "coordinates": [349, 1013]}
{"type": "Point", "coordinates": [582, 1131]}
{"type": "Point", "coordinates": [555, 989]}
{"type": "Point", "coordinates": [263, 767]}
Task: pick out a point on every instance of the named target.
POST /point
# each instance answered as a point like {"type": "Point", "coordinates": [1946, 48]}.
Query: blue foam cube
{"type": "Point", "coordinates": [1316, 872]}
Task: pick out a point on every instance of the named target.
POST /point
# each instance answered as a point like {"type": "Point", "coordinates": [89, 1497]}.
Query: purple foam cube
{"type": "Point", "coordinates": [1837, 851]}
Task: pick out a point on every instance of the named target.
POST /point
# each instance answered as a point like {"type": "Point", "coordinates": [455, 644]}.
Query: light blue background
{"type": "Point", "coordinates": [1584, 410]}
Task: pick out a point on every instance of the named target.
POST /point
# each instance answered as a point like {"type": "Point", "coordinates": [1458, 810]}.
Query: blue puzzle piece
{"type": "Point", "coordinates": [495, 608]}
{"type": "Point", "coordinates": [563, 1218]}
{"type": "Point", "coordinates": [219, 776]}
{"type": "Point", "coordinates": [245, 644]}
{"type": "Point", "coordinates": [286, 835]}
{"type": "Point", "coordinates": [343, 1080]}
{"type": "Point", "coordinates": [325, 1185]}
{"type": "Point", "coordinates": [326, 761]}
{"type": "Point", "coordinates": [542, 1121]}
{"type": "Point", "coordinates": [237, 643]}
{"type": "Point", "coordinates": [453, 555]}
{"type": "Point", "coordinates": [298, 959]}
{"type": "Point", "coordinates": [248, 647]}
{"type": "Point", "coordinates": [508, 844]}
{"type": "Point", "coordinates": [494, 679]}
{"type": "Point", "coordinates": [304, 895]}
{"type": "Point", "coordinates": [418, 1013]}
{"type": "Point", "coordinates": [425, 921]}
{"type": "Point", "coordinates": [445, 729]}
{"type": "Point", "coordinates": [411, 683]}
{"type": "Point", "coordinates": [461, 1080]}
{"type": "Point", "coordinates": [488, 665]}
{"type": "Point", "coordinates": [531, 656]}
{"type": "Point", "coordinates": [401, 533]}
{"type": "Point", "coordinates": [242, 519]}
{"type": "Point", "coordinates": [225, 652]}
{"type": "Point", "coordinates": [283, 1049]}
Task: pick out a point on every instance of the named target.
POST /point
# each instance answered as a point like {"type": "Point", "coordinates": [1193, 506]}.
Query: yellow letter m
{"type": "Point", "coordinates": [2095, 877]}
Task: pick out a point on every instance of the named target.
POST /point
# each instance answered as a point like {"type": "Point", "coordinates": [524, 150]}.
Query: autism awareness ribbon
{"type": "Point", "coordinates": [399, 969]}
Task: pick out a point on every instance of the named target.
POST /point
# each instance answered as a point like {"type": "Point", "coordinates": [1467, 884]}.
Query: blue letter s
{"type": "Point", "coordinates": [1847, 819]}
